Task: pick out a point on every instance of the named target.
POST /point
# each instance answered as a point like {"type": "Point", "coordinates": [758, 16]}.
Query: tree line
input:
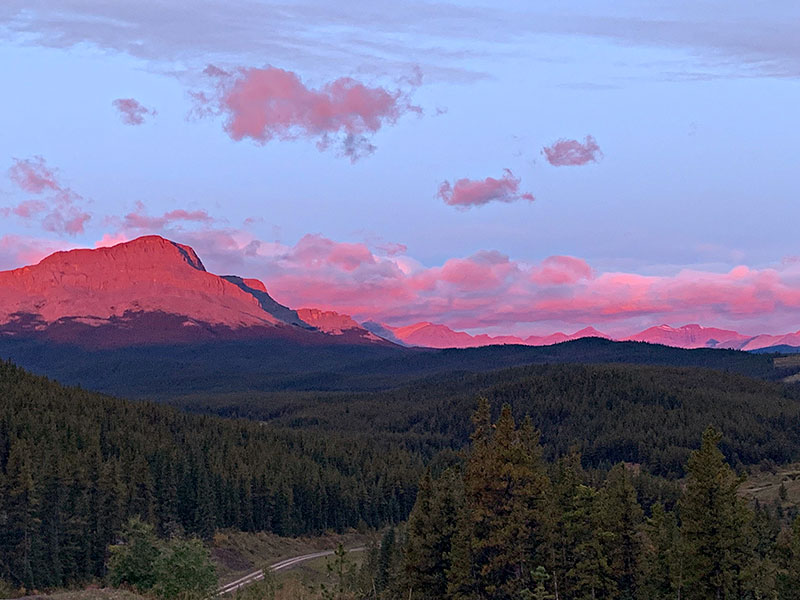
{"type": "Point", "coordinates": [75, 466]}
{"type": "Point", "coordinates": [508, 526]}
{"type": "Point", "coordinates": [648, 415]}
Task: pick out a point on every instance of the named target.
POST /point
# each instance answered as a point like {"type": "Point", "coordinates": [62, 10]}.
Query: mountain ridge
{"type": "Point", "coordinates": [152, 290]}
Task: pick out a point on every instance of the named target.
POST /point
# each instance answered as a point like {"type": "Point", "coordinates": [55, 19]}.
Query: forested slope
{"type": "Point", "coordinates": [75, 465]}
{"type": "Point", "coordinates": [160, 372]}
{"type": "Point", "coordinates": [641, 414]}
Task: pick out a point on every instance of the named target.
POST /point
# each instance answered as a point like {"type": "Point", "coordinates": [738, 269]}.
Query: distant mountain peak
{"type": "Point", "coordinates": [147, 290]}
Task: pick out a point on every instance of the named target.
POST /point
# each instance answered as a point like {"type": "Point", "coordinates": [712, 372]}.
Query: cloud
{"type": "Point", "coordinates": [17, 250]}
{"type": "Point", "coordinates": [324, 35]}
{"type": "Point", "coordinates": [139, 220]}
{"type": "Point", "coordinates": [491, 291]}
{"type": "Point", "coordinates": [571, 153]}
{"type": "Point", "coordinates": [466, 193]}
{"type": "Point", "coordinates": [131, 111]}
{"type": "Point", "coordinates": [561, 270]}
{"type": "Point", "coordinates": [59, 212]}
{"type": "Point", "coordinates": [271, 103]}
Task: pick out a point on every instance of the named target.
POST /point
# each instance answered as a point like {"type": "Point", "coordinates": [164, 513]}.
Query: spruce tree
{"type": "Point", "coordinates": [661, 572]}
{"type": "Point", "coordinates": [788, 579]}
{"type": "Point", "coordinates": [505, 507]}
{"type": "Point", "coordinates": [431, 529]}
{"type": "Point", "coordinates": [621, 516]}
{"type": "Point", "coordinates": [714, 522]}
{"type": "Point", "coordinates": [22, 503]}
{"type": "Point", "coordinates": [591, 577]}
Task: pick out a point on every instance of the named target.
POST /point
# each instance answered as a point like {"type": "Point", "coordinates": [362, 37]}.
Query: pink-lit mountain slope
{"type": "Point", "coordinates": [334, 323]}
{"type": "Point", "coordinates": [149, 290]}
{"type": "Point", "coordinates": [691, 336]}
{"type": "Point", "coordinates": [431, 335]}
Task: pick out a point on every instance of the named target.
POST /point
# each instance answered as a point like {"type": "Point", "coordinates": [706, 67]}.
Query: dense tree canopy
{"type": "Point", "coordinates": [75, 465]}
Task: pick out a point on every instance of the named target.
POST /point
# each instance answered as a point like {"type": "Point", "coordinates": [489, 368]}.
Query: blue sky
{"type": "Point", "coordinates": [693, 105]}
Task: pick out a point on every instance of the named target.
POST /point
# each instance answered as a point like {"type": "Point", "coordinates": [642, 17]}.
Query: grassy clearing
{"type": "Point", "coordinates": [765, 486]}
{"type": "Point", "coordinates": [315, 572]}
{"type": "Point", "coordinates": [236, 553]}
{"type": "Point", "coordinates": [87, 594]}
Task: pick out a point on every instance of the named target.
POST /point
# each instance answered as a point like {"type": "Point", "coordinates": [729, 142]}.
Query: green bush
{"type": "Point", "coordinates": [132, 561]}
{"type": "Point", "coordinates": [184, 571]}
{"type": "Point", "coordinates": [179, 569]}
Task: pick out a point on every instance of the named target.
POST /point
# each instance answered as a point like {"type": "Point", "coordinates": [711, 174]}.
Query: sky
{"type": "Point", "coordinates": [498, 167]}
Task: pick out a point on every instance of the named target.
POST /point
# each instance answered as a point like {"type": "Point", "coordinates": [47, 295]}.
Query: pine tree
{"type": "Point", "coordinates": [22, 526]}
{"type": "Point", "coordinates": [568, 476]}
{"type": "Point", "coordinates": [431, 529]}
{"type": "Point", "coordinates": [661, 573]}
{"type": "Point", "coordinates": [591, 577]}
{"type": "Point", "coordinates": [505, 507]}
{"type": "Point", "coordinates": [714, 522]}
{"type": "Point", "coordinates": [789, 569]}
{"type": "Point", "coordinates": [621, 516]}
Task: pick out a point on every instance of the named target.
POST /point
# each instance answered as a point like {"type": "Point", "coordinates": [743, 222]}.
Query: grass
{"type": "Point", "coordinates": [765, 486]}
{"type": "Point", "coordinates": [87, 594]}
{"type": "Point", "coordinates": [315, 572]}
{"type": "Point", "coordinates": [237, 553]}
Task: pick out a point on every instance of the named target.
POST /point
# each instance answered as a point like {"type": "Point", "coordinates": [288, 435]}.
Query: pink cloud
{"type": "Point", "coordinates": [17, 251]}
{"type": "Point", "coordinates": [571, 153]}
{"type": "Point", "coordinates": [486, 291]}
{"type": "Point", "coordinates": [271, 103]}
{"type": "Point", "coordinates": [561, 270]}
{"type": "Point", "coordinates": [131, 112]}
{"type": "Point", "coordinates": [489, 290]}
{"type": "Point", "coordinates": [60, 212]}
{"type": "Point", "coordinates": [466, 193]}
{"type": "Point", "coordinates": [138, 220]}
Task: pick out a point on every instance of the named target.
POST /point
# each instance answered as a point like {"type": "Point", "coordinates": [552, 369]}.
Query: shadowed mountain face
{"type": "Point", "coordinates": [147, 291]}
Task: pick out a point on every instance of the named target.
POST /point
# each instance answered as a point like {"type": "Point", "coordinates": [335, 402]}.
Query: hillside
{"type": "Point", "coordinates": [166, 371]}
{"type": "Point", "coordinates": [75, 465]}
{"type": "Point", "coordinates": [639, 414]}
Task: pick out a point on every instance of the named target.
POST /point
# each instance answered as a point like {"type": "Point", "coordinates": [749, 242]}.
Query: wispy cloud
{"type": "Point", "coordinates": [131, 112]}
{"type": "Point", "coordinates": [56, 208]}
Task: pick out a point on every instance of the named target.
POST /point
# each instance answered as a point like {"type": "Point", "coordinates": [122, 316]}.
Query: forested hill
{"type": "Point", "coordinates": [75, 465]}
{"type": "Point", "coordinates": [167, 371]}
{"type": "Point", "coordinates": [639, 414]}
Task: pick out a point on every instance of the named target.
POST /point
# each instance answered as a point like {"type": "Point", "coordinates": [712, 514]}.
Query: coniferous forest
{"type": "Point", "coordinates": [617, 482]}
{"type": "Point", "coordinates": [507, 525]}
{"type": "Point", "coordinates": [74, 466]}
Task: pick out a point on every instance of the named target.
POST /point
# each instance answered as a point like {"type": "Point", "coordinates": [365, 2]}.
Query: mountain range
{"type": "Point", "coordinates": [155, 291]}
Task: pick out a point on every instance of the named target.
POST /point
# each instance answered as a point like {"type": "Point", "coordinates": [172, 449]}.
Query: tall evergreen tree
{"type": "Point", "coordinates": [506, 487]}
{"type": "Point", "coordinates": [621, 516]}
{"type": "Point", "coordinates": [431, 529]}
{"type": "Point", "coordinates": [568, 476]}
{"type": "Point", "coordinates": [788, 579]}
{"type": "Point", "coordinates": [22, 523]}
{"type": "Point", "coordinates": [591, 577]}
{"type": "Point", "coordinates": [661, 572]}
{"type": "Point", "coordinates": [714, 523]}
